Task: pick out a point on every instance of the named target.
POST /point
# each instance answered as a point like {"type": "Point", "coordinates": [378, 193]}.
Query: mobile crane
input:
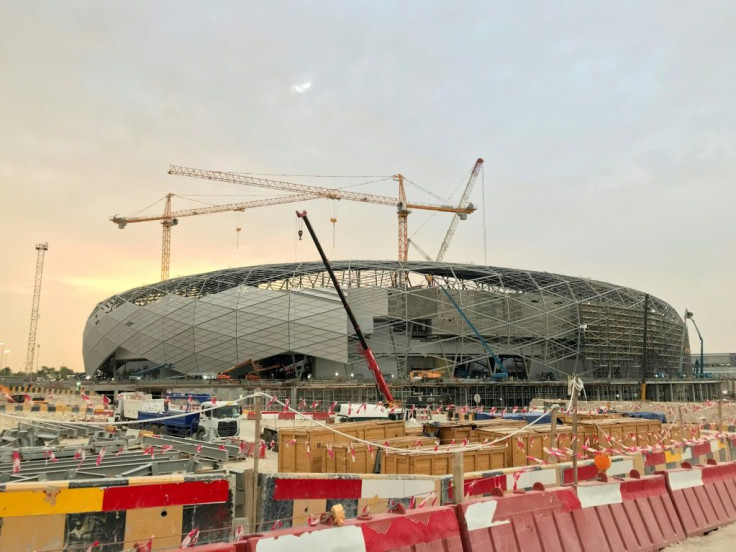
{"type": "Point", "coordinates": [365, 350]}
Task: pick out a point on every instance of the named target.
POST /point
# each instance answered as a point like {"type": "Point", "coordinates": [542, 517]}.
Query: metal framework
{"type": "Point", "coordinates": [208, 322]}
{"type": "Point", "coordinates": [41, 248]}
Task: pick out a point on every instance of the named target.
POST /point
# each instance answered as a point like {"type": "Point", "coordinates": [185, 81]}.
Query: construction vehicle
{"type": "Point", "coordinates": [432, 374]}
{"type": "Point", "coordinates": [129, 405]}
{"type": "Point", "coordinates": [206, 421]}
{"type": "Point", "coordinates": [391, 409]}
{"type": "Point", "coordinates": [497, 366]}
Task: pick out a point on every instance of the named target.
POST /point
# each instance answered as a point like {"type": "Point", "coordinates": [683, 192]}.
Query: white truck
{"type": "Point", "coordinates": [201, 421]}
{"type": "Point", "coordinates": [128, 405]}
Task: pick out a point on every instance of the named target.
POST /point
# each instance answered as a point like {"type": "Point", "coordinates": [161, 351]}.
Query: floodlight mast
{"type": "Point", "coordinates": [364, 348]}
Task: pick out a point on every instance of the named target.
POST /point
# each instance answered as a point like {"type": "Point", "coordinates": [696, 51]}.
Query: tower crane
{"type": "Point", "coordinates": [41, 248]}
{"type": "Point", "coordinates": [403, 207]}
{"type": "Point", "coordinates": [171, 218]}
{"type": "Point", "coordinates": [453, 224]}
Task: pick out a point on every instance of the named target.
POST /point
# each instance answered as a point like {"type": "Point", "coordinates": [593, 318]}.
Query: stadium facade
{"type": "Point", "coordinates": [290, 315]}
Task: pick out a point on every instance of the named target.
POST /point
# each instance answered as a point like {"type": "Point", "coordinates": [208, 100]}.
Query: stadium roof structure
{"type": "Point", "coordinates": [206, 323]}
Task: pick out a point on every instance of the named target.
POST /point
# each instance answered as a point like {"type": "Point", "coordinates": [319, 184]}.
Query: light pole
{"type": "Point", "coordinates": [2, 358]}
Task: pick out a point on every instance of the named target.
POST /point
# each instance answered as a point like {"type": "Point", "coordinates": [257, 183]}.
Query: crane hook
{"type": "Point", "coordinates": [300, 233]}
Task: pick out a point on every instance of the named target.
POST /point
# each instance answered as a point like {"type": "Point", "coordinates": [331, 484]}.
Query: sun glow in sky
{"type": "Point", "coordinates": [607, 131]}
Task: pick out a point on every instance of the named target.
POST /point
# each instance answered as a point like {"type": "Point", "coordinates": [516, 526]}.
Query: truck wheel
{"type": "Point", "coordinates": [200, 435]}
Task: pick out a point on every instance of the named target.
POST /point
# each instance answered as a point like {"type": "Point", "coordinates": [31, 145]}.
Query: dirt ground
{"type": "Point", "coordinates": [721, 540]}
{"type": "Point", "coordinates": [691, 412]}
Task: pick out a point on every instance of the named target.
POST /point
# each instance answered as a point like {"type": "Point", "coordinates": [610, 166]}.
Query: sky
{"type": "Point", "coordinates": [608, 132]}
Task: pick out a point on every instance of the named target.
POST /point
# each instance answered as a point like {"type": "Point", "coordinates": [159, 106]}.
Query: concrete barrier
{"type": "Point", "coordinates": [293, 498]}
{"type": "Point", "coordinates": [117, 512]}
{"type": "Point", "coordinates": [479, 484]}
{"type": "Point", "coordinates": [718, 449]}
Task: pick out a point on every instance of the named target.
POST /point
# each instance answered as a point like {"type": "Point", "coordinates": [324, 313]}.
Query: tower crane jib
{"type": "Point", "coordinates": [403, 207]}
{"type": "Point", "coordinates": [171, 218]}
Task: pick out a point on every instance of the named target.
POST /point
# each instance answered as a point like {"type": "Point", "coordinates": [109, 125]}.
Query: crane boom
{"type": "Point", "coordinates": [464, 316]}
{"type": "Point", "coordinates": [403, 207]}
{"type": "Point", "coordinates": [463, 202]}
{"type": "Point", "coordinates": [365, 350]}
{"type": "Point", "coordinates": [171, 218]}
{"type": "Point", "coordinates": [329, 193]}
{"type": "Point", "coordinates": [421, 251]}
{"type": "Point", "coordinates": [122, 221]}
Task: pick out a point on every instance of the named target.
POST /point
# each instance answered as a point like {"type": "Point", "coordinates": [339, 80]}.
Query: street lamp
{"type": "Point", "coordinates": [2, 358]}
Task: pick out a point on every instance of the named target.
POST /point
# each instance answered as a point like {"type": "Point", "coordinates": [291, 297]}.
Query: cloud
{"type": "Point", "coordinates": [302, 88]}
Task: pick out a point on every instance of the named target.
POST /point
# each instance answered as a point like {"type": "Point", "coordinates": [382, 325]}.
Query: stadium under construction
{"type": "Point", "coordinates": [285, 321]}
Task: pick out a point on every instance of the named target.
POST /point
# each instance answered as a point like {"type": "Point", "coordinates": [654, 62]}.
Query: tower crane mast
{"type": "Point", "coordinates": [41, 248]}
{"type": "Point", "coordinates": [403, 207]}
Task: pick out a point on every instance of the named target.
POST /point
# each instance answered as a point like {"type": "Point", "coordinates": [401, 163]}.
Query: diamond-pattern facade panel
{"type": "Point", "coordinates": [206, 323]}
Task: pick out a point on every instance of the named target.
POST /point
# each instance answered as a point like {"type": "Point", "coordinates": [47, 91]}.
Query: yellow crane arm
{"type": "Point", "coordinates": [122, 221]}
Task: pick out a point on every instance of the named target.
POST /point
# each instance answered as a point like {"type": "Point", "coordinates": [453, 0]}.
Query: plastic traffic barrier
{"type": "Point", "coordinates": [719, 481]}
{"type": "Point", "coordinates": [425, 529]}
{"type": "Point", "coordinates": [634, 514]}
{"type": "Point", "coordinates": [704, 496]}
{"type": "Point", "coordinates": [529, 522]}
{"type": "Point", "coordinates": [216, 547]}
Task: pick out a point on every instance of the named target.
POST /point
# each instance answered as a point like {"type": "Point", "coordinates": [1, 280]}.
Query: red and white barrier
{"type": "Point", "coordinates": [704, 496]}
{"type": "Point", "coordinates": [533, 521]}
{"type": "Point", "coordinates": [428, 529]}
{"type": "Point", "coordinates": [637, 514]}
{"type": "Point", "coordinates": [351, 487]}
{"type": "Point", "coordinates": [631, 514]}
{"type": "Point", "coordinates": [216, 547]}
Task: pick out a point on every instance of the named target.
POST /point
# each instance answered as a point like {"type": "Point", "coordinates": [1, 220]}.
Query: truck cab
{"type": "Point", "coordinates": [222, 422]}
